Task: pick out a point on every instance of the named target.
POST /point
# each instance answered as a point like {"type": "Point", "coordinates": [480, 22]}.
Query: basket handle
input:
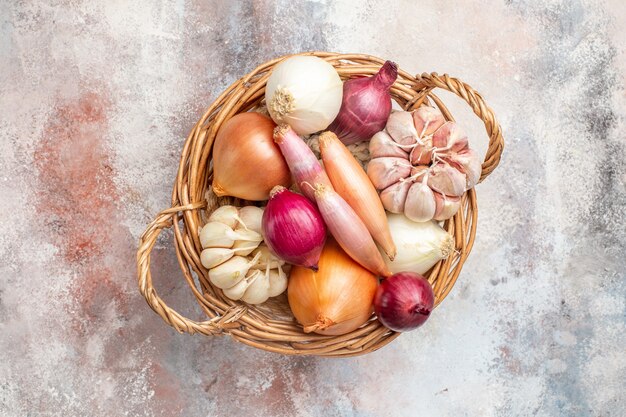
{"type": "Point", "coordinates": [480, 108]}
{"type": "Point", "coordinates": [182, 324]}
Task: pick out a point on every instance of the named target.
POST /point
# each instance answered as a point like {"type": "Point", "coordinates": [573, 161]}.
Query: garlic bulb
{"type": "Point", "coordinates": [231, 272]}
{"type": "Point", "coordinates": [237, 260]}
{"type": "Point", "coordinates": [305, 92]}
{"type": "Point", "coordinates": [422, 144]}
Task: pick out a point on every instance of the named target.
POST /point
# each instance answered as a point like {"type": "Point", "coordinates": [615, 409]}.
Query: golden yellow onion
{"type": "Point", "coordinates": [337, 298]}
{"type": "Point", "coordinates": [246, 161]}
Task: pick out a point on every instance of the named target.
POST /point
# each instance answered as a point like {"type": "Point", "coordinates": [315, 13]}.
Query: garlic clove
{"type": "Point", "coordinates": [427, 120]}
{"type": "Point", "coordinates": [212, 257]}
{"type": "Point", "coordinates": [446, 206]}
{"type": "Point", "coordinates": [266, 257]}
{"type": "Point", "coordinates": [216, 235]}
{"type": "Point", "coordinates": [387, 170]}
{"type": "Point", "coordinates": [229, 215]}
{"type": "Point", "coordinates": [238, 290]}
{"type": "Point", "coordinates": [245, 247]}
{"type": "Point", "coordinates": [394, 196]}
{"type": "Point", "coordinates": [251, 217]}
{"type": "Point", "coordinates": [382, 144]}
{"type": "Point", "coordinates": [278, 282]}
{"type": "Point", "coordinates": [422, 154]}
{"type": "Point", "coordinates": [230, 272]}
{"type": "Point", "coordinates": [447, 180]}
{"type": "Point", "coordinates": [468, 162]}
{"type": "Point", "coordinates": [258, 291]}
{"type": "Point", "coordinates": [401, 128]}
{"type": "Point", "coordinates": [420, 203]}
{"type": "Point", "coordinates": [247, 235]}
{"type": "Point", "coordinates": [449, 137]}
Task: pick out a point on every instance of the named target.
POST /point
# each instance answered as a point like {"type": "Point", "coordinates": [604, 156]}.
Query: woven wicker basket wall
{"type": "Point", "coordinates": [271, 326]}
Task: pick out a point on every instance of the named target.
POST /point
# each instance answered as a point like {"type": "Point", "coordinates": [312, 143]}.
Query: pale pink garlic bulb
{"type": "Point", "coordinates": [421, 165]}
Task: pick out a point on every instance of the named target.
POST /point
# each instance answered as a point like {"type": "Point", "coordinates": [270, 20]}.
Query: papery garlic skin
{"type": "Point", "coordinates": [401, 128]}
{"type": "Point", "coordinates": [251, 217]}
{"type": "Point", "coordinates": [420, 202]}
{"type": "Point", "coordinates": [421, 154]}
{"type": "Point", "coordinates": [468, 162]}
{"type": "Point", "coordinates": [238, 290]}
{"type": "Point", "coordinates": [267, 257]}
{"type": "Point", "coordinates": [228, 215]}
{"type": "Point", "coordinates": [447, 180]}
{"type": "Point", "coordinates": [258, 291]}
{"type": "Point", "coordinates": [212, 257]}
{"type": "Point", "coordinates": [446, 206]}
{"type": "Point", "coordinates": [382, 144]}
{"type": "Point", "coordinates": [245, 247]}
{"type": "Point", "coordinates": [230, 272]}
{"type": "Point", "coordinates": [394, 196]}
{"type": "Point", "coordinates": [304, 92]}
{"type": "Point", "coordinates": [450, 137]}
{"type": "Point", "coordinates": [278, 282]}
{"type": "Point", "coordinates": [385, 171]}
{"type": "Point", "coordinates": [427, 120]}
{"type": "Point", "coordinates": [216, 235]}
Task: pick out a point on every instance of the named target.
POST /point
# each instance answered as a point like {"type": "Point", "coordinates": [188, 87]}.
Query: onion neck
{"type": "Point", "coordinates": [218, 190]}
{"type": "Point", "coordinates": [387, 75]}
{"type": "Point", "coordinates": [322, 322]}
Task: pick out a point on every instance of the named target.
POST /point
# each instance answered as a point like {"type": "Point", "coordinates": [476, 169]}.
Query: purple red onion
{"type": "Point", "coordinates": [293, 228]}
{"type": "Point", "coordinates": [404, 301]}
{"type": "Point", "coordinates": [366, 105]}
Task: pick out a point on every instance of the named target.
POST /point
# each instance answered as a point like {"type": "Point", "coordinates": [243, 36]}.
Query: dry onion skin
{"type": "Point", "coordinates": [246, 162]}
{"type": "Point", "coordinates": [336, 299]}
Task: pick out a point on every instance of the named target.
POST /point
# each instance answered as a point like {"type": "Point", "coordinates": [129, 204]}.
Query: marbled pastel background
{"type": "Point", "coordinates": [96, 98]}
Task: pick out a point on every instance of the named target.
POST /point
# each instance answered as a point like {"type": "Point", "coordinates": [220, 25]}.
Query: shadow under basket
{"type": "Point", "coordinates": [271, 326]}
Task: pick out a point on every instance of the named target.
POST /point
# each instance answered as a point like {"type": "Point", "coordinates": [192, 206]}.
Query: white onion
{"type": "Point", "coordinates": [419, 245]}
{"type": "Point", "coordinates": [305, 92]}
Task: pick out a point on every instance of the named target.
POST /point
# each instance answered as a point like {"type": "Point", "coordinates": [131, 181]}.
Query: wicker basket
{"type": "Point", "coordinates": [271, 326]}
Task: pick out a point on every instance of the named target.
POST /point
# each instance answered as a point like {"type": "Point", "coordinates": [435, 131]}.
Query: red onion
{"type": "Point", "coordinates": [404, 301]}
{"type": "Point", "coordinates": [293, 228]}
{"type": "Point", "coordinates": [366, 105]}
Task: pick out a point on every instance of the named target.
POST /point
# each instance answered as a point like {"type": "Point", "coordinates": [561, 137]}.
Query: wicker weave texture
{"type": "Point", "coordinates": [271, 326]}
